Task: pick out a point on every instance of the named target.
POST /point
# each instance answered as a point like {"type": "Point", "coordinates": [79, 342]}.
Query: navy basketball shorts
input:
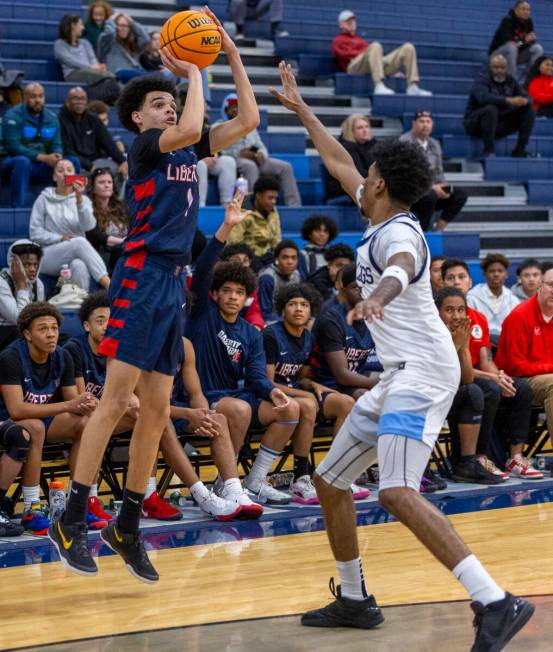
{"type": "Point", "coordinates": [146, 322]}
{"type": "Point", "coordinates": [215, 395]}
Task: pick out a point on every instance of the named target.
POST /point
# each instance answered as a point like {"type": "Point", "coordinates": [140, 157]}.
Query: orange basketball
{"type": "Point", "coordinates": [192, 36]}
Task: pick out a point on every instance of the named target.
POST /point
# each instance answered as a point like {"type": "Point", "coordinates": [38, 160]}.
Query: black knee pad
{"type": "Point", "coordinates": [15, 442]}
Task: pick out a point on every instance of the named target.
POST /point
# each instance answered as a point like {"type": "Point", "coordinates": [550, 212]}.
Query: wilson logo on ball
{"type": "Point", "coordinates": [199, 21]}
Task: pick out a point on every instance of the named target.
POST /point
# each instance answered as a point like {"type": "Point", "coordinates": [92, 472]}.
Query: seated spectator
{"type": "Point", "coordinates": [436, 279]}
{"type": "Point", "coordinates": [60, 218]}
{"type": "Point", "coordinates": [344, 355]}
{"type": "Point", "coordinates": [515, 39]}
{"type": "Point", "coordinates": [324, 278]}
{"type": "Point", "coordinates": [150, 58]}
{"type": "Point", "coordinates": [356, 138]}
{"type": "Point", "coordinates": [441, 196]}
{"type": "Point", "coordinates": [260, 228]}
{"type": "Point", "coordinates": [98, 12]}
{"type": "Point", "coordinates": [539, 85]}
{"type": "Point", "coordinates": [231, 362]}
{"type": "Point", "coordinates": [513, 394]}
{"type": "Point", "coordinates": [84, 136]}
{"type": "Point", "coordinates": [241, 253]}
{"type": "Point", "coordinates": [11, 88]}
{"type": "Point", "coordinates": [492, 298]}
{"type": "Point", "coordinates": [242, 10]}
{"type": "Point", "coordinates": [498, 106]}
{"type": "Point", "coordinates": [252, 158]}
{"type": "Point", "coordinates": [318, 231]}
{"type": "Point", "coordinates": [101, 110]}
{"type": "Point", "coordinates": [76, 55]}
{"type": "Point", "coordinates": [526, 344]}
{"type": "Point", "coordinates": [529, 279]}
{"type": "Point", "coordinates": [288, 345]}
{"type": "Point", "coordinates": [120, 45]}
{"type": "Point", "coordinates": [224, 168]}
{"type": "Point", "coordinates": [281, 272]}
{"type": "Point", "coordinates": [32, 137]}
{"type": "Point", "coordinates": [112, 220]}
{"type": "Point", "coordinates": [358, 57]}
{"type": "Point", "coordinates": [20, 285]}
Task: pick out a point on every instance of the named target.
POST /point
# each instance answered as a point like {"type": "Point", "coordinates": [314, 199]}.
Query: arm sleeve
{"type": "Point", "coordinates": [270, 345]}
{"type": "Point", "coordinates": [75, 353]}
{"type": "Point", "coordinates": [86, 214]}
{"type": "Point", "coordinates": [141, 34]}
{"type": "Point", "coordinates": [513, 350]}
{"type": "Point", "coordinates": [10, 367]}
{"type": "Point", "coordinates": [105, 42]}
{"type": "Point", "coordinates": [37, 232]}
{"type": "Point", "coordinates": [202, 147]}
{"type": "Point", "coordinates": [11, 306]}
{"type": "Point", "coordinates": [68, 377]}
{"type": "Point", "coordinates": [506, 30]}
{"type": "Point", "coordinates": [203, 273]}
{"type": "Point", "coordinates": [439, 163]}
{"type": "Point", "coordinates": [265, 295]}
{"type": "Point", "coordinates": [12, 131]}
{"type": "Point", "coordinates": [329, 335]}
{"type": "Point", "coordinates": [256, 368]}
{"type": "Point", "coordinates": [540, 92]}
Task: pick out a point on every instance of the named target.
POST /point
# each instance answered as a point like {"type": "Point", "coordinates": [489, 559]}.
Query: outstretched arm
{"type": "Point", "coordinates": [336, 159]}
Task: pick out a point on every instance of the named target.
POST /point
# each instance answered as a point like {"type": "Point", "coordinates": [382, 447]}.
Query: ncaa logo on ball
{"type": "Point", "coordinates": [476, 332]}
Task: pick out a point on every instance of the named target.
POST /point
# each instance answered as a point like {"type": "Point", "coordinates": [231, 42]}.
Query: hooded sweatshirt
{"type": "Point", "coordinates": [12, 300]}
{"type": "Point", "coordinates": [511, 28]}
{"type": "Point", "coordinates": [252, 139]}
{"type": "Point", "coordinates": [54, 216]}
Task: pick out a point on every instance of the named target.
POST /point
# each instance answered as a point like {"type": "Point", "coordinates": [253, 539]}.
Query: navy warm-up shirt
{"type": "Point", "coordinates": [286, 352]}
{"type": "Point", "coordinates": [88, 366]}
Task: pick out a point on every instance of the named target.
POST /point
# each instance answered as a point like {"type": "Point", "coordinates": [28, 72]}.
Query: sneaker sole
{"type": "Point", "coordinates": [461, 480]}
{"type": "Point", "coordinates": [65, 562]}
{"type": "Point", "coordinates": [250, 513]}
{"type": "Point", "coordinates": [224, 517]}
{"type": "Point", "coordinates": [304, 501]}
{"type": "Point", "coordinates": [335, 624]}
{"type": "Point", "coordinates": [128, 566]}
{"type": "Point", "coordinates": [525, 614]}
{"type": "Point", "coordinates": [526, 477]}
{"type": "Point", "coordinates": [166, 519]}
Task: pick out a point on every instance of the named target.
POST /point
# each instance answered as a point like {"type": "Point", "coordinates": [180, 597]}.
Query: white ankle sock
{"type": "Point", "coordinates": [199, 492]}
{"type": "Point", "coordinates": [232, 487]}
{"type": "Point", "coordinates": [150, 487]}
{"type": "Point", "coordinates": [262, 465]}
{"type": "Point", "coordinates": [93, 493]}
{"type": "Point", "coordinates": [30, 495]}
{"type": "Point", "coordinates": [352, 581]}
{"type": "Point", "coordinates": [477, 581]}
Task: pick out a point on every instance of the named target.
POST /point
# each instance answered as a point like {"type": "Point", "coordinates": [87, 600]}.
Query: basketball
{"type": "Point", "coordinates": [192, 36]}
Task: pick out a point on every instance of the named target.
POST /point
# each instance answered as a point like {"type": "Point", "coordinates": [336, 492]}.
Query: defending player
{"type": "Point", "coordinates": [145, 327]}
{"type": "Point", "coordinates": [400, 419]}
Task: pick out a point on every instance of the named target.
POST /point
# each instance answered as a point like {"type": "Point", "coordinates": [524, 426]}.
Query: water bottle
{"type": "Point", "coordinates": [241, 184]}
{"type": "Point", "coordinates": [177, 499]}
{"type": "Point", "coordinates": [56, 499]}
{"type": "Point", "coordinates": [65, 274]}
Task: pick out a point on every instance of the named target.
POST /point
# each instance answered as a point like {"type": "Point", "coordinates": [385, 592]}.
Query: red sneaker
{"type": "Point", "coordinates": [95, 507]}
{"type": "Point", "coordinates": [156, 507]}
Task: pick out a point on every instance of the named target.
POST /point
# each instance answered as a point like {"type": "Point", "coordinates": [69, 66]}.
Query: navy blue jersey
{"type": "Point", "coordinates": [88, 366]}
{"type": "Point", "coordinates": [287, 353]}
{"type": "Point", "coordinates": [228, 356]}
{"type": "Point", "coordinates": [162, 197]}
{"type": "Point", "coordinates": [332, 333]}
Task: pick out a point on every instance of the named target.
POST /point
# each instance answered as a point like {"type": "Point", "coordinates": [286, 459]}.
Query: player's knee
{"type": "Point", "coordinates": [346, 404]}
{"type": "Point", "coordinates": [325, 491]}
{"type": "Point", "coordinates": [36, 430]}
{"type": "Point", "coordinates": [239, 414]}
{"type": "Point", "coordinates": [308, 410]}
{"type": "Point", "coordinates": [391, 498]}
{"type": "Point", "coordinates": [17, 440]}
{"type": "Point", "coordinates": [408, 47]}
{"type": "Point", "coordinates": [291, 412]}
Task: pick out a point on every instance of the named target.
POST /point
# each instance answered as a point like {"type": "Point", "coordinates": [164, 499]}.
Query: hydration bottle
{"type": "Point", "coordinates": [241, 184]}
{"type": "Point", "coordinates": [65, 274]}
{"type": "Point", "coordinates": [56, 499]}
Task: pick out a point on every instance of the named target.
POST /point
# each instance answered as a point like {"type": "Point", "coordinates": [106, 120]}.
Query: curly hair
{"type": "Point", "coordinates": [232, 272]}
{"type": "Point", "coordinates": [490, 259]}
{"type": "Point", "coordinates": [108, 9]}
{"type": "Point", "coordinates": [234, 249]}
{"type": "Point", "coordinates": [293, 291]}
{"type": "Point", "coordinates": [64, 27]}
{"type": "Point", "coordinates": [339, 250]}
{"type": "Point", "coordinates": [133, 95]}
{"type": "Point", "coordinates": [314, 222]}
{"type": "Point", "coordinates": [266, 182]}
{"type": "Point", "coordinates": [115, 212]}
{"type": "Point", "coordinates": [95, 300]}
{"type": "Point", "coordinates": [443, 293]}
{"type": "Point", "coordinates": [35, 310]}
{"type": "Point", "coordinates": [404, 169]}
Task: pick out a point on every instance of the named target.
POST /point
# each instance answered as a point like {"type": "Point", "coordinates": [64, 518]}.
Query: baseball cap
{"type": "Point", "coordinates": [422, 113]}
{"type": "Point", "coordinates": [346, 14]}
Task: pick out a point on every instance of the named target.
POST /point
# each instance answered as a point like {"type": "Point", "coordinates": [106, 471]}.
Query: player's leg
{"type": "Point", "coordinates": [302, 488]}
{"type": "Point", "coordinates": [68, 427]}
{"type": "Point", "coordinates": [238, 414]}
{"type": "Point", "coordinates": [30, 474]}
{"type": "Point", "coordinates": [337, 406]}
{"type": "Point", "coordinates": [16, 442]}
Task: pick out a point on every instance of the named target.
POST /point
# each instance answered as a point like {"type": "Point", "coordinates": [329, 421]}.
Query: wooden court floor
{"type": "Point", "coordinates": [270, 577]}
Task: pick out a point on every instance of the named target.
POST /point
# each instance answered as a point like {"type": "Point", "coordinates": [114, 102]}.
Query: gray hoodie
{"type": "Point", "coordinates": [12, 301]}
{"type": "Point", "coordinates": [54, 216]}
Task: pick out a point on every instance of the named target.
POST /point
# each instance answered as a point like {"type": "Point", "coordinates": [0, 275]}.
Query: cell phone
{"type": "Point", "coordinates": [71, 178]}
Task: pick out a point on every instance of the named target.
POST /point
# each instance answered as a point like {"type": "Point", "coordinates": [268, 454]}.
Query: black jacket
{"type": "Point", "coordinates": [486, 91]}
{"type": "Point", "coordinates": [321, 281]}
{"type": "Point", "coordinates": [511, 28]}
{"type": "Point", "coordinates": [87, 138]}
{"type": "Point", "coordinates": [361, 153]}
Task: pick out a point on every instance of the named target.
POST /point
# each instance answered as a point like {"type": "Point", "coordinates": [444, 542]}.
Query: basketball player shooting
{"type": "Point", "coordinates": [399, 420]}
{"type": "Point", "coordinates": [145, 329]}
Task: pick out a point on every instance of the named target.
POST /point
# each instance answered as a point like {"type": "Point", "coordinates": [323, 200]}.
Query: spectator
{"type": "Point", "coordinates": [120, 45]}
{"type": "Point", "coordinates": [260, 228]}
{"type": "Point", "coordinates": [98, 12]}
{"type": "Point", "coordinates": [529, 279]}
{"type": "Point", "coordinates": [515, 39]}
{"type": "Point", "coordinates": [32, 137]}
{"type": "Point", "coordinates": [242, 10]}
{"type": "Point", "coordinates": [436, 279]}
{"type": "Point", "coordinates": [324, 278]}
{"type": "Point", "coordinates": [252, 158]}
{"type": "Point", "coordinates": [59, 220]}
{"type": "Point", "coordinates": [19, 286]}
{"type": "Point", "coordinates": [76, 55]}
{"type": "Point", "coordinates": [112, 220]}
{"type": "Point", "coordinates": [498, 106]}
{"type": "Point", "coordinates": [318, 231]}
{"type": "Point", "coordinates": [11, 84]}
{"type": "Point", "coordinates": [492, 298]}
{"type": "Point", "coordinates": [281, 272]}
{"type": "Point", "coordinates": [241, 253]}
{"type": "Point", "coordinates": [150, 58]}
{"type": "Point", "coordinates": [356, 138]}
{"type": "Point", "coordinates": [224, 168]}
{"type": "Point", "coordinates": [539, 84]}
{"type": "Point", "coordinates": [358, 57]}
{"type": "Point", "coordinates": [84, 136]}
{"type": "Point", "coordinates": [101, 110]}
{"type": "Point", "coordinates": [441, 196]}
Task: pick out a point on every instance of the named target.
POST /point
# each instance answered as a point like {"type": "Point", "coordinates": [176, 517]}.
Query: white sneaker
{"type": "Point", "coordinates": [250, 510]}
{"type": "Point", "coordinates": [520, 467]}
{"type": "Point", "coordinates": [358, 492]}
{"type": "Point", "coordinates": [303, 491]}
{"type": "Point", "coordinates": [219, 508]}
{"type": "Point", "coordinates": [268, 495]}
{"type": "Point", "coordinates": [382, 89]}
{"type": "Point", "coordinates": [413, 89]}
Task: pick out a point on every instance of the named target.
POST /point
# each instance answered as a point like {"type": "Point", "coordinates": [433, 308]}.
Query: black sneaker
{"type": "Point", "coordinates": [344, 612]}
{"type": "Point", "coordinates": [9, 528]}
{"type": "Point", "coordinates": [71, 542]}
{"type": "Point", "coordinates": [131, 548]}
{"type": "Point", "coordinates": [471, 471]}
{"type": "Point", "coordinates": [435, 479]}
{"type": "Point", "coordinates": [498, 623]}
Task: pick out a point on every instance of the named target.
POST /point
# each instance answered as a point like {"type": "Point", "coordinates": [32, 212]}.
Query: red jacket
{"type": "Point", "coordinates": [541, 90]}
{"type": "Point", "coordinates": [346, 47]}
{"type": "Point", "coordinates": [252, 313]}
{"type": "Point", "coordinates": [479, 334]}
{"type": "Point", "coordinates": [526, 342]}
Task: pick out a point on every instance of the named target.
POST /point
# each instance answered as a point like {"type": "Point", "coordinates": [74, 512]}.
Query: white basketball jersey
{"type": "Point", "coordinates": [411, 339]}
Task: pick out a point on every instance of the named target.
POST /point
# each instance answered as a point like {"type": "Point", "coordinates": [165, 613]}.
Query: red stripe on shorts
{"type": "Point", "coordinates": [146, 189]}
{"type": "Point", "coordinates": [129, 246]}
{"type": "Point", "coordinates": [140, 229]}
{"type": "Point", "coordinates": [136, 260]}
{"type": "Point", "coordinates": [121, 303]}
{"type": "Point", "coordinates": [116, 323]}
{"type": "Point", "coordinates": [108, 346]}
{"type": "Point", "coordinates": [145, 212]}
{"type": "Point", "coordinates": [129, 283]}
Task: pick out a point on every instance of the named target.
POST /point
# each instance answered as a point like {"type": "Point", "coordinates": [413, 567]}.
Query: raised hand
{"type": "Point", "coordinates": [176, 66]}
{"type": "Point", "coordinates": [290, 96]}
{"type": "Point", "coordinates": [227, 44]}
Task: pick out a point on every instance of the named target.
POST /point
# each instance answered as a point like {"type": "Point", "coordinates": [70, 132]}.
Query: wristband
{"type": "Point", "coordinates": [397, 272]}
